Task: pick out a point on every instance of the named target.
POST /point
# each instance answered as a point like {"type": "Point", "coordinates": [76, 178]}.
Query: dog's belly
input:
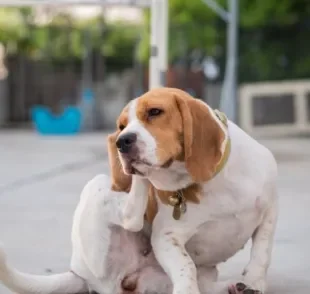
{"type": "Point", "coordinates": [217, 241]}
{"type": "Point", "coordinates": [131, 266]}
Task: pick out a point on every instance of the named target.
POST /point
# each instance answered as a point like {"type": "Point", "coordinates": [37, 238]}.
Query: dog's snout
{"type": "Point", "coordinates": [125, 142]}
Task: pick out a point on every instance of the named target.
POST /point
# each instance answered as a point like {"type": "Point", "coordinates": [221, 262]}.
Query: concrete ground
{"type": "Point", "coordinates": [41, 179]}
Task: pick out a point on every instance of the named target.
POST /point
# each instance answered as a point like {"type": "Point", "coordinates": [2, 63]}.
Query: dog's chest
{"type": "Point", "coordinates": [223, 222]}
{"type": "Point", "coordinates": [228, 219]}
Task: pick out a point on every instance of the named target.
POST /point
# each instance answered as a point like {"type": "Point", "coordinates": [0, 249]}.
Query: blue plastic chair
{"type": "Point", "coordinates": [47, 123]}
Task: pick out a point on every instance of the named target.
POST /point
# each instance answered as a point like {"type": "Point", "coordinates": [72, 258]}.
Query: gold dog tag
{"type": "Point", "coordinates": [176, 212]}
{"type": "Point", "coordinates": [183, 207]}
{"type": "Point", "coordinates": [178, 202]}
{"type": "Point", "coordinates": [174, 200]}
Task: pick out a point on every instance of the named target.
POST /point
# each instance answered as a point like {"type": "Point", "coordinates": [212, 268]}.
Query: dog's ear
{"type": "Point", "coordinates": [152, 206]}
{"type": "Point", "coordinates": [120, 181]}
{"type": "Point", "coordinates": [202, 136]}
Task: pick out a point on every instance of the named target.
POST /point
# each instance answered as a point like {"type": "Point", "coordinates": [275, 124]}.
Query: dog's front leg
{"type": "Point", "coordinates": [169, 248]}
{"type": "Point", "coordinates": [135, 206]}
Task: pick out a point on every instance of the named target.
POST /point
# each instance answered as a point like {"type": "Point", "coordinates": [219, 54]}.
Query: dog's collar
{"type": "Point", "coordinates": [223, 118]}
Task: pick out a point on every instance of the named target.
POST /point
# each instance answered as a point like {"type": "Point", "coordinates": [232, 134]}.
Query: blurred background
{"type": "Point", "coordinates": [67, 71]}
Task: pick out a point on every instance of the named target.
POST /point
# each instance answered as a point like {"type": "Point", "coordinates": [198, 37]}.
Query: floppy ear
{"type": "Point", "coordinates": [120, 181]}
{"type": "Point", "coordinates": [152, 206]}
{"type": "Point", "coordinates": [202, 137]}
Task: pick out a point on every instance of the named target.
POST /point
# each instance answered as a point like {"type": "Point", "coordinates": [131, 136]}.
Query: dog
{"type": "Point", "coordinates": [214, 188]}
{"type": "Point", "coordinates": [106, 258]}
{"type": "Point", "coordinates": [203, 185]}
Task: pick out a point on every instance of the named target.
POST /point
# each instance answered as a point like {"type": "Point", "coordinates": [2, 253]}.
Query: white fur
{"type": "Point", "coordinates": [222, 126]}
{"type": "Point", "coordinates": [21, 283]}
{"type": "Point", "coordinates": [134, 210]}
{"type": "Point", "coordinates": [98, 210]}
{"type": "Point", "coordinates": [241, 199]}
{"type": "Point", "coordinates": [143, 135]}
{"type": "Point", "coordinates": [237, 202]}
{"type": "Point", "coordinates": [104, 254]}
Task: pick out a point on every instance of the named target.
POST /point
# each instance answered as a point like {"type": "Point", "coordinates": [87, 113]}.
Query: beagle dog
{"type": "Point", "coordinates": [106, 258]}
{"type": "Point", "coordinates": [204, 185]}
{"type": "Point", "coordinates": [213, 188]}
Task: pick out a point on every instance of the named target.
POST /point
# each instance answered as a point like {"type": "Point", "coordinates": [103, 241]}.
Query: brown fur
{"type": "Point", "coordinates": [120, 181]}
{"type": "Point", "coordinates": [193, 136]}
{"type": "Point", "coordinates": [152, 206]}
{"type": "Point", "coordinates": [187, 120]}
{"type": "Point", "coordinates": [202, 140]}
{"type": "Point", "coordinates": [190, 193]}
{"type": "Point", "coordinates": [123, 119]}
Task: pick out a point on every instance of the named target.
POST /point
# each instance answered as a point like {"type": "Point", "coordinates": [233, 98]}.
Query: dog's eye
{"type": "Point", "coordinates": [121, 127]}
{"type": "Point", "coordinates": [154, 112]}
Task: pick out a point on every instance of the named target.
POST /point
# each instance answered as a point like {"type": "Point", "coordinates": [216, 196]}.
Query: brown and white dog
{"type": "Point", "coordinates": [215, 188]}
{"type": "Point", "coordinates": [212, 188]}
{"type": "Point", "coordinates": [106, 258]}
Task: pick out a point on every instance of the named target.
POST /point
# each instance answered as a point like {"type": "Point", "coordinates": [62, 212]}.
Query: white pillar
{"type": "Point", "coordinates": [154, 79]}
{"type": "Point", "coordinates": [163, 41]}
{"type": "Point", "coordinates": [229, 98]}
{"type": "Point", "coordinates": [3, 88]}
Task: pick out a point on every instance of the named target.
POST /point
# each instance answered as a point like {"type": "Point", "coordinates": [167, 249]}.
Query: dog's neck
{"type": "Point", "coordinates": [170, 182]}
{"type": "Point", "coordinates": [167, 183]}
{"type": "Point", "coordinates": [191, 194]}
{"type": "Point", "coordinates": [176, 177]}
{"type": "Point", "coordinates": [173, 178]}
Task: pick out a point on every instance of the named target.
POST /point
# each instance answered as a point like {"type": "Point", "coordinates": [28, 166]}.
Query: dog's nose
{"type": "Point", "coordinates": [125, 142]}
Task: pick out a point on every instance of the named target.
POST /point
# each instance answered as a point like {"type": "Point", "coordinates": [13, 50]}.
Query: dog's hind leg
{"type": "Point", "coordinates": [254, 275]}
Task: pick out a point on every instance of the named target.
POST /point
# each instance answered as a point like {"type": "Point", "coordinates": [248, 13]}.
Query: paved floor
{"type": "Point", "coordinates": [40, 182]}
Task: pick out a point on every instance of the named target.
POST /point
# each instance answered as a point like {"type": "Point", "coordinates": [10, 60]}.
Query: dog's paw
{"type": "Point", "coordinates": [132, 227]}
{"type": "Point", "coordinates": [133, 223]}
{"type": "Point", "coordinates": [242, 288]}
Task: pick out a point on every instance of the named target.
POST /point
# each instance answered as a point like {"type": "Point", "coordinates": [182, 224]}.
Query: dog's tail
{"type": "Point", "coordinates": [21, 283]}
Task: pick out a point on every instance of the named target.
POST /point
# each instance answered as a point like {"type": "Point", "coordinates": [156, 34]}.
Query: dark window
{"type": "Point", "coordinates": [273, 109]}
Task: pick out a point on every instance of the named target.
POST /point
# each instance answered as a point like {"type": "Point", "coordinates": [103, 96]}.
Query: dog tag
{"type": "Point", "coordinates": [183, 207]}
{"type": "Point", "coordinates": [174, 200]}
{"type": "Point", "coordinates": [176, 212]}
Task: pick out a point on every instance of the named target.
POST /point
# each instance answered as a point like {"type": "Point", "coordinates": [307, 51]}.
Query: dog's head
{"type": "Point", "coordinates": [167, 125]}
